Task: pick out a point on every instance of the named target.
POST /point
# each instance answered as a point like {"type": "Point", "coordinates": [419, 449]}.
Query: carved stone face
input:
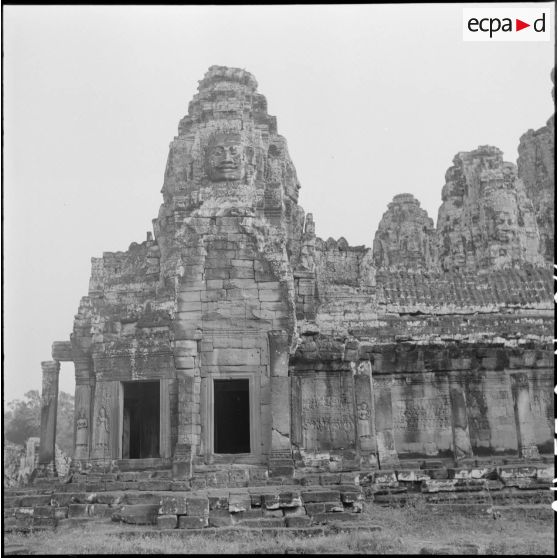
{"type": "Point", "coordinates": [225, 157]}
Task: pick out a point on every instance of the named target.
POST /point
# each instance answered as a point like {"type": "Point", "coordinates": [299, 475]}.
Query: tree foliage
{"type": "Point", "coordinates": [22, 419]}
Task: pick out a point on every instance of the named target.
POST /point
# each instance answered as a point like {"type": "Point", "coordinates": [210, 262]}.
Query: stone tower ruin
{"type": "Point", "coordinates": [234, 337]}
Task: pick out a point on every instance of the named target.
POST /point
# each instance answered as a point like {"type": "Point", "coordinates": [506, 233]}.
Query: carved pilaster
{"type": "Point", "coordinates": [526, 440]}
{"type": "Point", "coordinates": [462, 448]}
{"type": "Point", "coordinates": [383, 414]}
{"type": "Point", "coordinates": [280, 456]}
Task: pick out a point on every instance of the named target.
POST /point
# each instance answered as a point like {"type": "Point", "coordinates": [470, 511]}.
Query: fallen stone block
{"type": "Point", "coordinates": [192, 522]}
{"type": "Point", "coordinates": [273, 513]}
{"type": "Point", "coordinates": [324, 518]}
{"type": "Point", "coordinates": [220, 503]}
{"type": "Point", "coordinates": [256, 500]}
{"type": "Point", "coordinates": [412, 475]}
{"type": "Point", "coordinates": [348, 497]}
{"type": "Point", "coordinates": [294, 511]}
{"type": "Point", "coordinates": [249, 514]}
{"type": "Point", "coordinates": [98, 510]}
{"type": "Point", "coordinates": [44, 522]}
{"type": "Point", "coordinates": [334, 507]}
{"type": "Point", "coordinates": [173, 505]}
{"type": "Point", "coordinates": [77, 510]}
{"type": "Point", "coordinates": [43, 511]}
{"type": "Point", "coordinates": [160, 485]}
{"type": "Point", "coordinates": [167, 521]}
{"type": "Point", "coordinates": [219, 518]}
{"type": "Point", "coordinates": [138, 514]}
{"type": "Point", "coordinates": [313, 508]}
{"type": "Point", "coordinates": [438, 485]}
{"type": "Point", "coordinates": [289, 500]}
{"type": "Point", "coordinates": [263, 522]}
{"type": "Point", "coordinates": [546, 474]}
{"type": "Point", "coordinates": [67, 498]}
{"type": "Point", "coordinates": [386, 478]}
{"type": "Point", "coordinates": [128, 476]}
{"type": "Point", "coordinates": [320, 496]}
{"type": "Point", "coordinates": [38, 500]}
{"type": "Point", "coordinates": [61, 513]}
{"type": "Point", "coordinates": [239, 502]}
{"type": "Point", "coordinates": [507, 472]}
{"type": "Point", "coordinates": [197, 506]}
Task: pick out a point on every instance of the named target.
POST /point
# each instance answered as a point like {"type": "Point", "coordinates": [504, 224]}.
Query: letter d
{"type": "Point", "coordinates": [540, 20]}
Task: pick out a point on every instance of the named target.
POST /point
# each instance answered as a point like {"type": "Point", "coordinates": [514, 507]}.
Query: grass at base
{"type": "Point", "coordinates": [404, 531]}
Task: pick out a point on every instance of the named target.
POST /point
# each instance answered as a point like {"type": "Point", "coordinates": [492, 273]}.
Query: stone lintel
{"type": "Point", "coordinates": [62, 351]}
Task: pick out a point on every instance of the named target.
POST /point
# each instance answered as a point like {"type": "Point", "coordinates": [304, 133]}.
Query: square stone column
{"type": "Point", "coordinates": [280, 455]}
{"type": "Point", "coordinates": [364, 404]}
{"type": "Point", "coordinates": [526, 440]}
{"type": "Point", "coordinates": [462, 448]}
{"type": "Point", "coordinates": [49, 408]}
{"type": "Point", "coordinates": [83, 405]}
{"type": "Point", "coordinates": [383, 415]}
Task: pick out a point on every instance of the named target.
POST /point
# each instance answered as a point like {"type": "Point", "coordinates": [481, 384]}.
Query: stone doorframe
{"type": "Point", "coordinates": [164, 417]}
{"type": "Point", "coordinates": [207, 400]}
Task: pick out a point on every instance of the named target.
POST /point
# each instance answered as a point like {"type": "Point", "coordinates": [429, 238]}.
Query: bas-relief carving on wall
{"type": "Point", "coordinates": [102, 430]}
{"type": "Point", "coordinates": [82, 430]}
{"type": "Point", "coordinates": [363, 414]}
{"type": "Point", "coordinates": [327, 419]}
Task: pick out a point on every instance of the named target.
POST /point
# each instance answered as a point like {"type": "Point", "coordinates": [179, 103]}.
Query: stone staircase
{"type": "Point", "coordinates": [244, 497]}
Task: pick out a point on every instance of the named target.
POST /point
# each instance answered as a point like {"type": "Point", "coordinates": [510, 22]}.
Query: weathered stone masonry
{"type": "Point", "coordinates": [234, 335]}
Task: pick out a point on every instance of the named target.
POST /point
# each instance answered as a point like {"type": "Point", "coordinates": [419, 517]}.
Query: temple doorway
{"type": "Point", "coordinates": [140, 420]}
{"type": "Point", "coordinates": [232, 416]}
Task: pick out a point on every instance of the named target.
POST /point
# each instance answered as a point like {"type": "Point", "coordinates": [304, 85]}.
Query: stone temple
{"type": "Point", "coordinates": [233, 337]}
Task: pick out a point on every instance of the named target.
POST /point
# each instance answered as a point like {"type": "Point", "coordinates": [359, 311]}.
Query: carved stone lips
{"type": "Point", "coordinates": [227, 166]}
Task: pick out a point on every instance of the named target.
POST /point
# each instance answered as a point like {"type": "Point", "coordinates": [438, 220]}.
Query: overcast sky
{"type": "Point", "coordinates": [373, 101]}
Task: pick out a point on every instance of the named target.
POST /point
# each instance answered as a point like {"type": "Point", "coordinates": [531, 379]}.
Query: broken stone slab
{"type": "Point", "coordinates": [263, 522]}
{"type": "Point", "coordinates": [138, 514]}
{"type": "Point", "coordinates": [324, 518]}
{"type": "Point", "coordinates": [412, 475]}
{"type": "Point", "coordinates": [167, 521]}
{"type": "Point", "coordinates": [220, 503]}
{"type": "Point", "coordinates": [192, 522]}
{"type": "Point", "coordinates": [298, 521]}
{"type": "Point", "coordinates": [386, 478]}
{"type": "Point", "coordinates": [77, 510]}
{"type": "Point", "coordinates": [239, 502]}
{"type": "Point", "coordinates": [219, 518]}
{"type": "Point", "coordinates": [172, 505]}
{"type": "Point", "coordinates": [320, 496]}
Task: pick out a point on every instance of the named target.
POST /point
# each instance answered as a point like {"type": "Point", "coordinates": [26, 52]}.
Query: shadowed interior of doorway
{"type": "Point", "coordinates": [140, 425]}
{"type": "Point", "coordinates": [232, 416]}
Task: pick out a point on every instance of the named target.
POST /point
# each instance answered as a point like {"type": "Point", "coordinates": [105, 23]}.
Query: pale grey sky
{"type": "Point", "coordinates": [373, 101]}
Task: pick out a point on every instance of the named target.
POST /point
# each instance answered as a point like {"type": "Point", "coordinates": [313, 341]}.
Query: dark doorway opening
{"type": "Point", "coordinates": [140, 425]}
{"type": "Point", "coordinates": [232, 416]}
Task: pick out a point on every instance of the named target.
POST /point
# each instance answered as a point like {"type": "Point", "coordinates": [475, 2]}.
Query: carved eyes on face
{"type": "Point", "coordinates": [220, 151]}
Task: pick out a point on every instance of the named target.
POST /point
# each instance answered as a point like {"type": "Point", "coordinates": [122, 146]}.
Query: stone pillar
{"type": "Point", "coordinates": [82, 413]}
{"type": "Point", "coordinates": [364, 406]}
{"type": "Point", "coordinates": [280, 454]}
{"type": "Point", "coordinates": [459, 421]}
{"type": "Point", "coordinates": [49, 407]}
{"type": "Point", "coordinates": [383, 414]}
{"type": "Point", "coordinates": [189, 384]}
{"type": "Point", "coordinates": [526, 440]}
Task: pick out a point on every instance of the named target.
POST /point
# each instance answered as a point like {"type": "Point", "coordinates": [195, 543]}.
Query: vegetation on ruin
{"type": "Point", "coordinates": [22, 419]}
{"type": "Point", "coordinates": [409, 530]}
